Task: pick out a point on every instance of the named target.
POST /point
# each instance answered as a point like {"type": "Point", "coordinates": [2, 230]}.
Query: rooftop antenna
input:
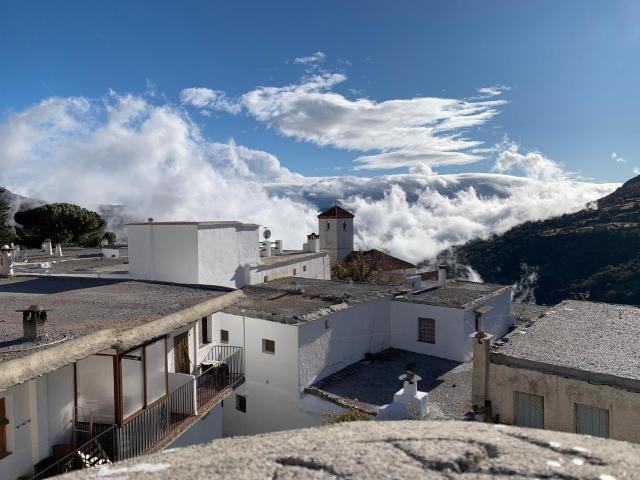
{"type": "Point", "coordinates": [267, 233]}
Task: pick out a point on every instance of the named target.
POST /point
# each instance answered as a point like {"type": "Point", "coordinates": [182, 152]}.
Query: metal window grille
{"type": "Point", "coordinates": [426, 330]}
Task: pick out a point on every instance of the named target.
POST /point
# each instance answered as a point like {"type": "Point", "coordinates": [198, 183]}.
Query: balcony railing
{"type": "Point", "coordinates": [221, 370]}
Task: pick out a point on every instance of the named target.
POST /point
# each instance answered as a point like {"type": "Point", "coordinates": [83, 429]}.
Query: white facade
{"type": "Point", "coordinates": [226, 254]}
{"type": "Point", "coordinates": [39, 414]}
{"type": "Point", "coordinates": [308, 352]}
{"type": "Point", "coordinates": [336, 236]}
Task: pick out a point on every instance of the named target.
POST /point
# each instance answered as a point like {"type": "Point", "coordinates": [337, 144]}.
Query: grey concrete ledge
{"type": "Point", "coordinates": [401, 450]}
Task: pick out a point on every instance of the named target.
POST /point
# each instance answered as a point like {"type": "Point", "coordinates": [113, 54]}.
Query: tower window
{"type": "Point", "coordinates": [344, 226]}
{"type": "Point", "coordinates": [328, 225]}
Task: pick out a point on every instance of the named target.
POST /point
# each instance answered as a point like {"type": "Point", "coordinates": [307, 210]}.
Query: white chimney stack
{"type": "Point", "coordinates": [58, 250]}
{"type": "Point", "coordinates": [408, 402]}
{"type": "Point", "coordinates": [442, 275]}
{"type": "Point", "coordinates": [279, 250]}
{"type": "Point", "coordinates": [6, 261]}
{"type": "Point", "coordinates": [313, 243]}
{"type": "Point", "coordinates": [48, 247]}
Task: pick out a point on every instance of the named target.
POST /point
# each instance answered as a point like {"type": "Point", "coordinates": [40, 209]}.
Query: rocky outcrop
{"type": "Point", "coordinates": [408, 449]}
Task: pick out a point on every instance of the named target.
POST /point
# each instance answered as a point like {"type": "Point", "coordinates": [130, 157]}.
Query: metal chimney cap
{"type": "Point", "coordinates": [32, 308]}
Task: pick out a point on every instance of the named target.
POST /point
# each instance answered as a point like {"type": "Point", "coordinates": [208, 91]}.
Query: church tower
{"type": "Point", "coordinates": [335, 227]}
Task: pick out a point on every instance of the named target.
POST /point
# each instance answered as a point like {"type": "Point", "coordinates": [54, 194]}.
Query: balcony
{"type": "Point", "coordinates": [159, 425]}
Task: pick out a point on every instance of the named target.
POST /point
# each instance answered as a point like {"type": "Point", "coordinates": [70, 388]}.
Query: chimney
{"type": "Point", "coordinates": [313, 243]}
{"type": "Point", "coordinates": [6, 261]}
{"type": "Point", "coordinates": [33, 319]}
{"type": "Point", "coordinates": [408, 402]}
{"type": "Point", "coordinates": [442, 275]}
{"type": "Point", "coordinates": [279, 250]}
{"type": "Point", "coordinates": [48, 247]}
{"type": "Point", "coordinates": [480, 372]}
{"type": "Point", "coordinates": [58, 250]}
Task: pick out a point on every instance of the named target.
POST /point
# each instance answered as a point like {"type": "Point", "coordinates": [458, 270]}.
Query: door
{"type": "Point", "coordinates": [181, 361]}
{"type": "Point", "coordinates": [529, 410]}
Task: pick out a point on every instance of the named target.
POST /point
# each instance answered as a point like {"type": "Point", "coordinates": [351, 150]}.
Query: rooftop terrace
{"type": "Point", "coordinates": [456, 293]}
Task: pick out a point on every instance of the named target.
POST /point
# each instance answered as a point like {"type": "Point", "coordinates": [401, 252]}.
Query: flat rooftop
{"type": "Point", "coordinates": [78, 306]}
{"type": "Point", "coordinates": [73, 261]}
{"type": "Point", "coordinates": [456, 293]}
{"type": "Point", "coordinates": [214, 223]}
{"type": "Point", "coordinates": [290, 256]}
{"type": "Point", "coordinates": [374, 382]}
{"type": "Point", "coordinates": [587, 336]}
{"type": "Point", "coordinates": [295, 300]}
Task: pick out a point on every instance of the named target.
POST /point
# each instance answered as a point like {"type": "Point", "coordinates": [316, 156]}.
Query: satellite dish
{"type": "Point", "coordinates": [266, 234]}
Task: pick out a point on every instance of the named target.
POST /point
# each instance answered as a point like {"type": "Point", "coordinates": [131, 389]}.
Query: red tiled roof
{"type": "Point", "coordinates": [336, 212]}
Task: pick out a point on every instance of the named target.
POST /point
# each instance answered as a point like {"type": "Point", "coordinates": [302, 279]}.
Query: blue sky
{"type": "Point", "coordinates": [572, 67]}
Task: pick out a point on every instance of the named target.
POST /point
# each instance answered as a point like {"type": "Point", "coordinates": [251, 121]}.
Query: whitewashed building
{"type": "Point", "coordinates": [93, 371]}
{"type": "Point", "coordinates": [226, 254]}
{"type": "Point", "coordinates": [295, 332]}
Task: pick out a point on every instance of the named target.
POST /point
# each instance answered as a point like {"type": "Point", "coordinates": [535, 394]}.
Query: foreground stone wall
{"type": "Point", "coordinates": [408, 449]}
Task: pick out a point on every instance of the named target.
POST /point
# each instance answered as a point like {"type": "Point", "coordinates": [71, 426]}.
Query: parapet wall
{"type": "Point", "coordinates": [407, 449]}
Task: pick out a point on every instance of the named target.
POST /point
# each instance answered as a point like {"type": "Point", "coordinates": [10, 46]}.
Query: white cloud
{"type": "Point", "coordinates": [617, 158]}
{"type": "Point", "coordinates": [314, 58]}
{"type": "Point", "coordinates": [208, 100]}
{"type": "Point", "coordinates": [154, 159]}
{"type": "Point", "coordinates": [493, 91]}
{"type": "Point", "coordinates": [532, 164]}
{"type": "Point", "coordinates": [636, 171]}
{"type": "Point", "coordinates": [394, 133]}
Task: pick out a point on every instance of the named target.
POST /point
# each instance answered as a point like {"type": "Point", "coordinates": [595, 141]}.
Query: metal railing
{"type": "Point", "coordinates": [223, 369]}
{"type": "Point", "coordinates": [100, 450]}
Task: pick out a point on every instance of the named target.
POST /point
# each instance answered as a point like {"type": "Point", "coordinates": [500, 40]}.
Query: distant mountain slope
{"type": "Point", "coordinates": [592, 253]}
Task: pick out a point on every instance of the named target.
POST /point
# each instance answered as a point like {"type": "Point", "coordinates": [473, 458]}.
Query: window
{"type": "Point", "coordinates": [426, 330]}
{"type": "Point", "coordinates": [294, 272]}
{"type": "Point", "coordinates": [304, 268]}
{"type": "Point", "coordinates": [132, 382]}
{"type": "Point", "coordinates": [344, 226]}
{"type": "Point", "coordinates": [4, 421]}
{"type": "Point", "coordinates": [241, 403]}
{"type": "Point", "coordinates": [326, 324]}
{"type": "Point", "coordinates": [156, 375]}
{"type": "Point", "coordinates": [528, 410]}
{"type": "Point", "coordinates": [268, 346]}
{"type": "Point", "coordinates": [205, 336]}
{"type": "Point", "coordinates": [266, 278]}
{"type": "Point", "coordinates": [328, 225]}
{"type": "Point", "coordinates": [224, 336]}
{"type": "Point", "coordinates": [592, 421]}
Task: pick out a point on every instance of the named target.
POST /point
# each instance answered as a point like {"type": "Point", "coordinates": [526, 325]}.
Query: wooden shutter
{"type": "Point", "coordinates": [592, 421]}
{"type": "Point", "coordinates": [529, 410]}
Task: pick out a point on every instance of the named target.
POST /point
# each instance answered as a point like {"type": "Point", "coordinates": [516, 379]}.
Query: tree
{"type": "Point", "coordinates": [362, 268]}
{"type": "Point", "coordinates": [110, 237]}
{"type": "Point", "coordinates": [63, 223]}
{"type": "Point", "coordinates": [6, 232]}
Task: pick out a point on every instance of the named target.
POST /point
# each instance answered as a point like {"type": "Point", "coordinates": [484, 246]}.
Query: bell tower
{"type": "Point", "coordinates": [335, 227]}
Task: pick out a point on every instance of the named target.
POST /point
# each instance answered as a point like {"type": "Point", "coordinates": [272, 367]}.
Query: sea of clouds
{"type": "Point", "coordinates": [151, 157]}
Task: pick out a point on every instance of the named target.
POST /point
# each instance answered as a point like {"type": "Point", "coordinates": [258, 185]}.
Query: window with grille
{"type": "Point", "coordinates": [268, 346]}
{"type": "Point", "coordinates": [592, 421]}
{"type": "Point", "coordinates": [224, 336]}
{"type": "Point", "coordinates": [528, 410]}
{"type": "Point", "coordinates": [304, 268]}
{"type": "Point", "coordinates": [241, 403]}
{"type": "Point", "coordinates": [426, 330]}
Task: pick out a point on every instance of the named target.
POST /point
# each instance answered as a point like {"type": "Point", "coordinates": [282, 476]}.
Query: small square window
{"type": "Point", "coordinates": [268, 346]}
{"type": "Point", "coordinates": [224, 336]}
{"type": "Point", "coordinates": [241, 403]}
{"type": "Point", "coordinates": [426, 330]}
{"type": "Point", "coordinates": [304, 268]}
{"type": "Point", "coordinates": [295, 271]}
{"type": "Point", "coordinates": [266, 279]}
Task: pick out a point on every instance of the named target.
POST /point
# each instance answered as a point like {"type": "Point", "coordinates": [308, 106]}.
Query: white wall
{"type": "Point", "coordinates": [449, 322]}
{"type": "Point", "coordinates": [60, 404]}
{"type": "Point", "coordinates": [351, 333]}
{"type": "Point", "coordinates": [319, 267]}
{"type": "Point", "coordinates": [18, 403]}
{"type": "Point", "coordinates": [336, 240]}
{"type": "Point", "coordinates": [208, 428]}
{"type": "Point", "coordinates": [224, 251]}
{"type": "Point", "coordinates": [163, 252]}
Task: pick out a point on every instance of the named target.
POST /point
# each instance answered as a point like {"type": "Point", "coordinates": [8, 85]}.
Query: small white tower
{"type": "Point", "coordinates": [335, 226]}
{"type": "Point", "coordinates": [408, 402]}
